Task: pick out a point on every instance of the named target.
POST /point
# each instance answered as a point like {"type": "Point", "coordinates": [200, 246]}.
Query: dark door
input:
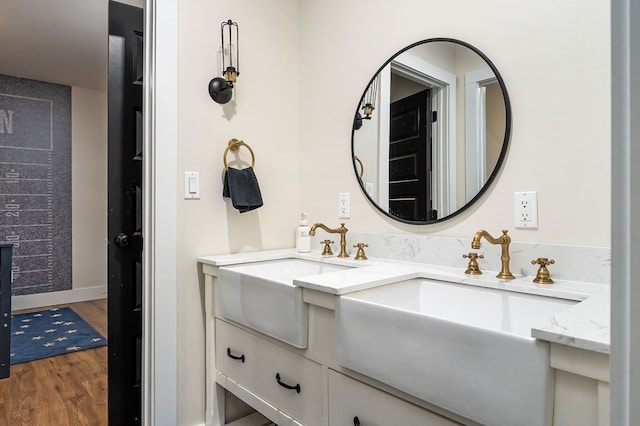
{"type": "Point", "coordinates": [125, 213]}
{"type": "Point", "coordinates": [410, 158]}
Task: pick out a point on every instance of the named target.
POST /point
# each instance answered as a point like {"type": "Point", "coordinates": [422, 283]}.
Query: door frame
{"type": "Point", "coordinates": [444, 132]}
{"type": "Point", "coordinates": [476, 130]}
{"type": "Point", "coordinates": [625, 220]}
{"type": "Point", "coordinates": [160, 319]}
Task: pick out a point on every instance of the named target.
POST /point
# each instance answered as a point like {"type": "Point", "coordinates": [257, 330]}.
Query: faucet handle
{"type": "Point", "coordinates": [360, 254]}
{"type": "Point", "coordinates": [543, 261]}
{"type": "Point", "coordinates": [543, 276]}
{"type": "Point", "coordinates": [473, 268]}
{"type": "Point", "coordinates": [327, 248]}
{"type": "Point", "coordinates": [473, 255]}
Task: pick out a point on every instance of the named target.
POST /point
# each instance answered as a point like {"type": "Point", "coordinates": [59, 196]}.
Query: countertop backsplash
{"type": "Point", "coordinates": [572, 263]}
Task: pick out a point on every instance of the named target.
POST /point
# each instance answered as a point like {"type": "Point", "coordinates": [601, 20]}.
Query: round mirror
{"type": "Point", "coordinates": [431, 131]}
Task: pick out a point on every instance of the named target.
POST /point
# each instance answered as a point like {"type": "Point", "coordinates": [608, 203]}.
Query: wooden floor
{"type": "Point", "coordinates": [62, 390]}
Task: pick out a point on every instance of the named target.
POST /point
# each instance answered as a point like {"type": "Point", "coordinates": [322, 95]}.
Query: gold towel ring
{"type": "Point", "coordinates": [358, 161]}
{"type": "Point", "coordinates": [234, 145]}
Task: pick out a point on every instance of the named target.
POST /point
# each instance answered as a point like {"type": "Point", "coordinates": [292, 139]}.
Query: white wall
{"type": "Point", "coordinates": [89, 187]}
{"type": "Point", "coordinates": [263, 113]}
{"type": "Point", "coordinates": [555, 66]}
{"type": "Point", "coordinates": [304, 66]}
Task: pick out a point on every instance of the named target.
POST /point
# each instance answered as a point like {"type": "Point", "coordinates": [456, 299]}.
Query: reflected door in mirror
{"type": "Point", "coordinates": [410, 163]}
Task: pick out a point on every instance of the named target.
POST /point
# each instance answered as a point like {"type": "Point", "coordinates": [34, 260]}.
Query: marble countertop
{"type": "Point", "coordinates": [585, 325]}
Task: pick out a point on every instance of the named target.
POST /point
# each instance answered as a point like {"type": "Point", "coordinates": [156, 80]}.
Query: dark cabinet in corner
{"type": "Point", "coordinates": [5, 309]}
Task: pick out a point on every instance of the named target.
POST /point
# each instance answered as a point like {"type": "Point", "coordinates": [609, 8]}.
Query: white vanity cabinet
{"type": "Point", "coordinates": [581, 386]}
{"type": "Point", "coordinates": [287, 385]}
{"type": "Point", "coordinates": [355, 403]}
{"type": "Point", "coordinates": [265, 373]}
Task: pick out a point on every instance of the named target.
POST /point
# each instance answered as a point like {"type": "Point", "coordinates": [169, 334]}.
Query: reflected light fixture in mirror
{"type": "Point", "coordinates": [221, 89]}
{"type": "Point", "coordinates": [369, 100]}
{"type": "Point", "coordinates": [439, 134]}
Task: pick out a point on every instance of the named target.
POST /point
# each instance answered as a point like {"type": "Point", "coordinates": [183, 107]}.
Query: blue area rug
{"type": "Point", "coordinates": [43, 334]}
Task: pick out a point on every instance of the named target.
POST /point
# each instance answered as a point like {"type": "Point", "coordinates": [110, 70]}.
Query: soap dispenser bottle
{"type": "Point", "coordinates": [303, 239]}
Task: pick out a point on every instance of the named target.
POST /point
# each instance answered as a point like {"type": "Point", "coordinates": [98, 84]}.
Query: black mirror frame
{"type": "Point", "coordinates": [503, 151]}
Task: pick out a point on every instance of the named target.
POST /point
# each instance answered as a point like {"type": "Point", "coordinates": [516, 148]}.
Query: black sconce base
{"type": "Point", "coordinates": [220, 91]}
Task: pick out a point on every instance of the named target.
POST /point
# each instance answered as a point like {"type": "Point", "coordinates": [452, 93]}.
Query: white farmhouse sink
{"type": "Point", "coordinates": [261, 295]}
{"type": "Point", "coordinates": [466, 349]}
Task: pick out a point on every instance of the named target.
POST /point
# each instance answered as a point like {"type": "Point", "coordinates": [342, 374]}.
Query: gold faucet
{"type": "Point", "coordinates": [504, 241]}
{"type": "Point", "coordinates": [343, 236]}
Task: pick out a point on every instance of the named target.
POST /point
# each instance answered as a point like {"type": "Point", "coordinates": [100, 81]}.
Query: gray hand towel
{"type": "Point", "coordinates": [242, 187]}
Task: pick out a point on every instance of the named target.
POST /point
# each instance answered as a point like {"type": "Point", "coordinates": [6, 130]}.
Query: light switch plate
{"type": "Point", "coordinates": [191, 185]}
{"type": "Point", "coordinates": [369, 188]}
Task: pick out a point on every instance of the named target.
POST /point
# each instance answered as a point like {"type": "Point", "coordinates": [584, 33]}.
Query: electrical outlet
{"type": "Point", "coordinates": [526, 210]}
{"type": "Point", "coordinates": [344, 205]}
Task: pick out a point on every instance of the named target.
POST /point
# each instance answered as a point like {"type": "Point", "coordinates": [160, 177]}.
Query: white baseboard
{"type": "Point", "coordinates": [58, 297]}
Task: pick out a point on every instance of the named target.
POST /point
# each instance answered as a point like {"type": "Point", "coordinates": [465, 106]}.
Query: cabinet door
{"type": "Point", "coordinates": [354, 403]}
{"type": "Point", "coordinates": [237, 354]}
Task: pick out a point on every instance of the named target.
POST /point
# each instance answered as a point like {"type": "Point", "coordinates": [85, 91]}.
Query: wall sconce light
{"type": "Point", "coordinates": [369, 101]}
{"type": "Point", "coordinates": [221, 89]}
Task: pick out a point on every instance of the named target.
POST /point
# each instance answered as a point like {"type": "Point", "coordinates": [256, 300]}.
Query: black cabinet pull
{"type": "Point", "coordinates": [356, 421]}
{"type": "Point", "coordinates": [240, 358]}
{"type": "Point", "coordinates": [286, 386]}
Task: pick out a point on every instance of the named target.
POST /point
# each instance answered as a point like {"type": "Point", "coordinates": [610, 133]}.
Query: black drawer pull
{"type": "Point", "coordinates": [241, 357]}
{"type": "Point", "coordinates": [356, 421]}
{"type": "Point", "coordinates": [286, 386]}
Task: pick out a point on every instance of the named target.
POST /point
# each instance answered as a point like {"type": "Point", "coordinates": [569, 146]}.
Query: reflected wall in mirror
{"type": "Point", "coordinates": [431, 131]}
